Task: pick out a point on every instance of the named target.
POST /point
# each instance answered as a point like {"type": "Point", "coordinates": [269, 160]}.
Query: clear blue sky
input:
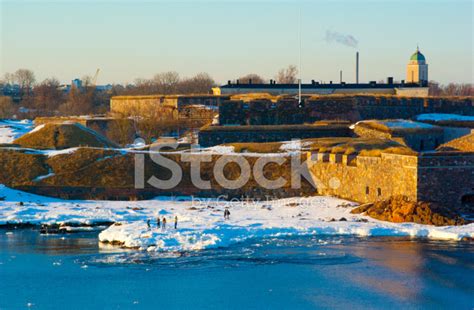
{"type": "Point", "coordinates": [136, 39]}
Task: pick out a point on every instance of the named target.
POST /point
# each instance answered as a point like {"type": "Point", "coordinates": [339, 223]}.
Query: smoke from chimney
{"type": "Point", "coordinates": [344, 39]}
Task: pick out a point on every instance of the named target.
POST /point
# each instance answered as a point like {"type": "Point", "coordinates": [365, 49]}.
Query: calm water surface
{"type": "Point", "coordinates": [73, 272]}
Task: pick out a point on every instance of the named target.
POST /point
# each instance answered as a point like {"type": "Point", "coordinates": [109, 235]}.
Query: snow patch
{"type": "Point", "coordinates": [13, 129]}
{"type": "Point", "coordinates": [53, 153]}
{"type": "Point", "coordinates": [406, 124]}
{"type": "Point", "coordinates": [220, 149]}
{"type": "Point", "coordinates": [42, 177]}
{"type": "Point", "coordinates": [444, 117]}
{"type": "Point", "coordinates": [37, 128]}
{"type": "Point", "coordinates": [294, 145]}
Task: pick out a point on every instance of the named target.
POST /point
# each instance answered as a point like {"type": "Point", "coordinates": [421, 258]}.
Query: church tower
{"type": "Point", "coordinates": [417, 68]}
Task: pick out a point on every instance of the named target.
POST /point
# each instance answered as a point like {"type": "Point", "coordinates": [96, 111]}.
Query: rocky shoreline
{"type": "Point", "coordinates": [402, 210]}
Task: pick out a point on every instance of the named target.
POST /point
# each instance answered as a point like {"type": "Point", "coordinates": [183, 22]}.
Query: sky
{"type": "Point", "coordinates": [136, 39]}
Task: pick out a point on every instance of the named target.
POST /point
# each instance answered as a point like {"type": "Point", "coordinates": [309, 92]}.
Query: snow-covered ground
{"type": "Point", "coordinates": [444, 117]}
{"type": "Point", "coordinates": [406, 124]}
{"type": "Point", "coordinates": [12, 129]}
{"type": "Point", "coordinates": [398, 124]}
{"type": "Point", "coordinates": [201, 223]}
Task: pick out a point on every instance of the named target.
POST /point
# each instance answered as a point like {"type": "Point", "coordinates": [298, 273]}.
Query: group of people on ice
{"type": "Point", "coordinates": [161, 223]}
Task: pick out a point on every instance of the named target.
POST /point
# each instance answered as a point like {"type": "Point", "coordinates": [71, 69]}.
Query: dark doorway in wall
{"type": "Point", "coordinates": [468, 199]}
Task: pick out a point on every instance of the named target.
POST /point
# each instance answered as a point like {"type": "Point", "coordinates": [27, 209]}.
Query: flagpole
{"type": "Point", "coordinates": [299, 80]}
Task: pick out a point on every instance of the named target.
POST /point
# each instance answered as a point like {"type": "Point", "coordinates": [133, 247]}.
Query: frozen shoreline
{"type": "Point", "coordinates": [201, 224]}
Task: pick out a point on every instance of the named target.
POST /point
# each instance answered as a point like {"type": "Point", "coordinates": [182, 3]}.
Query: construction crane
{"type": "Point", "coordinates": [94, 79]}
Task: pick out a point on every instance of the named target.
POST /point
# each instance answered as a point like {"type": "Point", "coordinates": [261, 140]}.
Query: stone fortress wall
{"type": "Point", "coordinates": [446, 177]}
{"type": "Point", "coordinates": [215, 135]}
{"type": "Point", "coordinates": [443, 178]}
{"type": "Point", "coordinates": [351, 108]}
{"type": "Point", "coordinates": [363, 178]}
{"type": "Point", "coordinates": [166, 107]}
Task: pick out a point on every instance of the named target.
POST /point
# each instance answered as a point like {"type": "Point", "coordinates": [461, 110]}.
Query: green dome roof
{"type": "Point", "coordinates": [418, 56]}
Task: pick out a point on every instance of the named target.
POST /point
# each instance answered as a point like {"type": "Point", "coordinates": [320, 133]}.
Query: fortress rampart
{"type": "Point", "coordinates": [363, 178]}
{"type": "Point", "coordinates": [447, 178]}
{"type": "Point", "coordinates": [351, 108]}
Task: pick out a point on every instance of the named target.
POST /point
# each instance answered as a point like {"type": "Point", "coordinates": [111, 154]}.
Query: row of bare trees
{"type": "Point", "coordinates": [287, 75]}
{"type": "Point", "coordinates": [452, 89]}
{"type": "Point", "coordinates": [49, 98]}
{"type": "Point", "coordinates": [170, 83]}
{"type": "Point", "coordinates": [23, 77]}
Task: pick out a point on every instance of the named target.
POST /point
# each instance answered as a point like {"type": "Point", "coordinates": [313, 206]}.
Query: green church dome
{"type": "Point", "coordinates": [418, 56]}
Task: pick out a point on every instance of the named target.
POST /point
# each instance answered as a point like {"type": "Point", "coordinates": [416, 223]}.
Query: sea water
{"type": "Point", "coordinates": [75, 272]}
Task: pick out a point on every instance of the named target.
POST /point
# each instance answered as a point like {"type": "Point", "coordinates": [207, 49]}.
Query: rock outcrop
{"type": "Point", "coordinates": [400, 210]}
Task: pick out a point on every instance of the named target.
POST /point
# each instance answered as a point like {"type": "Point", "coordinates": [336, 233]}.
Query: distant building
{"type": "Point", "coordinates": [417, 68]}
{"type": "Point", "coordinates": [77, 83]}
{"type": "Point", "coordinates": [416, 84]}
{"type": "Point", "coordinates": [315, 88]}
{"type": "Point", "coordinates": [167, 107]}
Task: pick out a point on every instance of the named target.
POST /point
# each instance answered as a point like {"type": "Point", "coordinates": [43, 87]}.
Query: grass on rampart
{"type": "Point", "coordinates": [380, 125]}
{"type": "Point", "coordinates": [63, 136]}
{"type": "Point", "coordinates": [348, 146]}
{"type": "Point", "coordinates": [463, 144]}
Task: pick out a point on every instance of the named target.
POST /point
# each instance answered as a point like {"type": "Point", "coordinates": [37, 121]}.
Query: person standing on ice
{"type": "Point", "coordinates": [164, 223]}
{"type": "Point", "coordinates": [176, 222]}
{"type": "Point", "coordinates": [158, 222]}
{"type": "Point", "coordinates": [148, 224]}
{"type": "Point", "coordinates": [226, 214]}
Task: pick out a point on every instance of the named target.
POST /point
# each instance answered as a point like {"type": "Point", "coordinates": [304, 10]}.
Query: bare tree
{"type": "Point", "coordinates": [26, 79]}
{"type": "Point", "coordinates": [121, 130]}
{"type": "Point", "coordinates": [201, 83]}
{"type": "Point", "coordinates": [47, 96]}
{"type": "Point", "coordinates": [166, 82]}
{"type": "Point", "coordinates": [256, 79]}
{"type": "Point", "coordinates": [6, 107]}
{"type": "Point", "coordinates": [452, 89]}
{"type": "Point", "coordinates": [8, 78]}
{"type": "Point", "coordinates": [287, 76]}
{"type": "Point", "coordinates": [169, 83]}
{"type": "Point", "coordinates": [79, 102]}
{"type": "Point", "coordinates": [434, 89]}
